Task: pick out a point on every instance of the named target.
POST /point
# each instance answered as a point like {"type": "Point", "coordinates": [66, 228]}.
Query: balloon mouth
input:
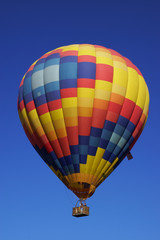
{"type": "Point", "coordinates": [82, 190]}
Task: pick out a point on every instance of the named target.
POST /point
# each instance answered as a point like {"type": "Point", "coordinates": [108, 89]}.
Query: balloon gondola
{"type": "Point", "coordinates": [83, 107]}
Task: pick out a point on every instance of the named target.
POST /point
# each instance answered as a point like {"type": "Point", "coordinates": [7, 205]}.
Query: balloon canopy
{"type": "Point", "coordinates": [83, 107]}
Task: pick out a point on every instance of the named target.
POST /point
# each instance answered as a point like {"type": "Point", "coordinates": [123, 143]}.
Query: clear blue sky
{"type": "Point", "coordinates": [34, 204]}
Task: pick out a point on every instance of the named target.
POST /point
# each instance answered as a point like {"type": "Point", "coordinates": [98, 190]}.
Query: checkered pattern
{"type": "Point", "coordinates": [83, 107]}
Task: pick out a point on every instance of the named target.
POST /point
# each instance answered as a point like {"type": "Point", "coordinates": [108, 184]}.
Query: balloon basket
{"type": "Point", "coordinates": [80, 211]}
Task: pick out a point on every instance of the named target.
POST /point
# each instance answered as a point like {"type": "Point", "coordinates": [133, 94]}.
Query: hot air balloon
{"type": "Point", "coordinates": [83, 107]}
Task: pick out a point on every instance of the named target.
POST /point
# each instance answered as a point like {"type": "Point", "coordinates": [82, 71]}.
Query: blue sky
{"type": "Point", "coordinates": [34, 204]}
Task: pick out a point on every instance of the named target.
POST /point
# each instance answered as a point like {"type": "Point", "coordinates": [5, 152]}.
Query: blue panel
{"type": "Point", "coordinates": [111, 147]}
{"type": "Point", "coordinates": [109, 125]}
{"type": "Point", "coordinates": [106, 155]}
{"type": "Point", "coordinates": [75, 158]}
{"type": "Point", "coordinates": [112, 158]}
{"type": "Point", "coordinates": [92, 150]}
{"type": "Point", "coordinates": [68, 71]}
{"type": "Point", "coordinates": [83, 159]}
{"type": "Point", "coordinates": [40, 100]}
{"type": "Point", "coordinates": [122, 121]}
{"type": "Point", "coordinates": [69, 59]}
{"type": "Point", "coordinates": [103, 143]}
{"type": "Point", "coordinates": [38, 92]}
{"type": "Point", "coordinates": [86, 70]}
{"type": "Point", "coordinates": [83, 140]}
{"type": "Point", "coordinates": [68, 83]}
{"type": "Point", "coordinates": [94, 141]}
{"type": "Point", "coordinates": [106, 134]}
{"type": "Point", "coordinates": [74, 149]}
{"type": "Point", "coordinates": [126, 134]}
{"type": "Point", "coordinates": [62, 161]}
{"type": "Point", "coordinates": [117, 150]}
{"type": "Point", "coordinates": [83, 149]}
{"type": "Point", "coordinates": [68, 159]}
{"type": "Point", "coordinates": [38, 67]}
{"type": "Point", "coordinates": [53, 86]}
{"type": "Point", "coordinates": [28, 98]}
{"type": "Point", "coordinates": [54, 55]}
{"type": "Point", "coordinates": [71, 168]}
{"type": "Point", "coordinates": [51, 96]}
{"type": "Point", "coordinates": [119, 129]}
{"type": "Point", "coordinates": [27, 87]}
{"type": "Point", "coordinates": [54, 61]}
{"type": "Point", "coordinates": [76, 168]}
{"type": "Point", "coordinates": [96, 132]}
{"type": "Point", "coordinates": [131, 127]}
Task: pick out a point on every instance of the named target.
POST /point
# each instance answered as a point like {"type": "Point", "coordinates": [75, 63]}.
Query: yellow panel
{"type": "Point", "coordinates": [104, 60]}
{"type": "Point", "coordinates": [98, 157]}
{"type": "Point", "coordinates": [45, 118]}
{"type": "Point", "coordinates": [120, 65]}
{"type": "Point", "coordinates": [85, 112]}
{"type": "Point", "coordinates": [133, 84]}
{"type": "Point", "coordinates": [119, 89]}
{"type": "Point", "coordinates": [73, 47]}
{"type": "Point", "coordinates": [71, 121]}
{"type": "Point", "coordinates": [86, 50]}
{"type": "Point", "coordinates": [40, 131]}
{"type": "Point", "coordinates": [48, 127]}
{"type": "Point", "coordinates": [51, 135]}
{"type": "Point", "coordinates": [102, 94]}
{"type": "Point", "coordinates": [100, 54]}
{"type": "Point", "coordinates": [100, 84]}
{"type": "Point", "coordinates": [23, 116]}
{"type": "Point", "coordinates": [33, 114]}
{"type": "Point", "coordinates": [56, 114]}
{"type": "Point", "coordinates": [103, 163]}
{"type": "Point", "coordinates": [69, 102]}
{"type": "Point", "coordinates": [89, 163]}
{"type": "Point", "coordinates": [59, 123]}
{"type": "Point", "coordinates": [70, 112]}
{"type": "Point", "coordinates": [120, 77]}
{"type": "Point", "coordinates": [141, 93]}
{"type": "Point", "coordinates": [85, 102]}
{"type": "Point", "coordinates": [85, 92]}
{"type": "Point", "coordinates": [82, 168]}
{"type": "Point", "coordinates": [61, 132]}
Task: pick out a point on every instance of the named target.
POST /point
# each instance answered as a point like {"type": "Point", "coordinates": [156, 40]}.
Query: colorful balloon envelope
{"type": "Point", "coordinates": [83, 107]}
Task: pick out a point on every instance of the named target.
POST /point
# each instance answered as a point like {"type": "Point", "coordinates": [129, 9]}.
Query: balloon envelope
{"type": "Point", "coordinates": [83, 107]}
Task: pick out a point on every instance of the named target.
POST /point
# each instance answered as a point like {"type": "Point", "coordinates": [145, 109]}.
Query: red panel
{"type": "Point", "coordinates": [84, 125]}
{"type": "Point", "coordinates": [136, 115]}
{"type": "Point", "coordinates": [68, 92]}
{"type": "Point", "coordinates": [72, 134]}
{"type": "Point", "coordinates": [85, 83]}
{"type": "Point", "coordinates": [87, 58]}
{"type": "Point", "coordinates": [104, 72]}
{"type": "Point", "coordinates": [114, 107]}
{"type": "Point", "coordinates": [111, 116]}
{"type": "Point", "coordinates": [30, 106]}
{"type": "Point", "coordinates": [64, 146]}
{"type": "Point", "coordinates": [98, 119]}
{"type": "Point", "coordinates": [42, 109]}
{"type": "Point", "coordinates": [69, 53]}
{"type": "Point", "coordinates": [21, 105]}
{"type": "Point", "coordinates": [127, 109]}
{"type": "Point", "coordinates": [53, 105]}
{"type": "Point", "coordinates": [57, 149]}
{"type": "Point", "coordinates": [113, 52]}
